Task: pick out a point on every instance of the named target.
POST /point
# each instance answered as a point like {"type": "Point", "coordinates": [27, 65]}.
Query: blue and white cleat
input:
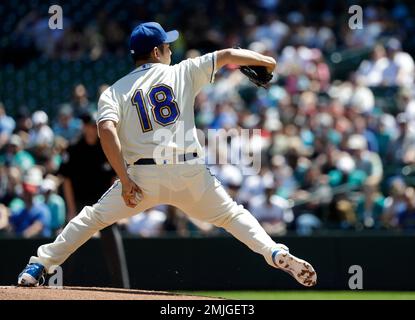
{"type": "Point", "coordinates": [32, 275]}
{"type": "Point", "coordinates": [301, 270]}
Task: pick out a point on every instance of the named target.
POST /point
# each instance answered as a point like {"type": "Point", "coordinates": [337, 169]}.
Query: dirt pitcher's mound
{"type": "Point", "coordinates": [84, 293]}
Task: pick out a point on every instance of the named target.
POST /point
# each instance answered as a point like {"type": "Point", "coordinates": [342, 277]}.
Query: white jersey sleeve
{"type": "Point", "coordinates": [108, 106]}
{"type": "Point", "coordinates": [201, 70]}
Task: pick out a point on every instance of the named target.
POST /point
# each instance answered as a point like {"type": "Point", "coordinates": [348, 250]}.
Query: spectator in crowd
{"type": "Point", "coordinates": [406, 102]}
{"type": "Point", "coordinates": [370, 206]}
{"type": "Point", "coordinates": [384, 136]}
{"type": "Point", "coordinates": [15, 155]}
{"type": "Point", "coordinates": [307, 223]}
{"type": "Point", "coordinates": [253, 185]}
{"type": "Point", "coordinates": [7, 125]}
{"type": "Point", "coordinates": [406, 218]}
{"type": "Point", "coordinates": [10, 186]}
{"type": "Point", "coordinates": [41, 135]}
{"type": "Point", "coordinates": [55, 156]}
{"type": "Point", "coordinates": [371, 72]}
{"type": "Point", "coordinates": [33, 219]}
{"type": "Point", "coordinates": [272, 33]}
{"type": "Point", "coordinates": [80, 102]}
{"type": "Point", "coordinates": [272, 211]}
{"type": "Point", "coordinates": [402, 67]}
{"type": "Point", "coordinates": [175, 223]}
{"type": "Point", "coordinates": [366, 161]}
{"type": "Point", "coordinates": [4, 219]}
{"type": "Point", "coordinates": [231, 177]}
{"type": "Point", "coordinates": [360, 127]}
{"type": "Point", "coordinates": [402, 146]}
{"type": "Point", "coordinates": [147, 224]}
{"type": "Point", "coordinates": [67, 126]}
{"type": "Point", "coordinates": [396, 204]}
{"type": "Point", "coordinates": [71, 46]}
{"type": "Point", "coordinates": [361, 98]}
{"type": "Point", "coordinates": [23, 123]}
{"type": "Point", "coordinates": [55, 203]}
{"type": "Point", "coordinates": [342, 214]}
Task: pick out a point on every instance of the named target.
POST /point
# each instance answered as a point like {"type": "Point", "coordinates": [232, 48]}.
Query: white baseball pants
{"type": "Point", "coordinates": [189, 187]}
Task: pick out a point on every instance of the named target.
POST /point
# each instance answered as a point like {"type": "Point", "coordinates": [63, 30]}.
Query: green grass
{"type": "Point", "coordinates": [308, 295]}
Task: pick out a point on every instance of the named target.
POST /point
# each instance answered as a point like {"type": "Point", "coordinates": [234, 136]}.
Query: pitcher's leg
{"type": "Point", "coordinates": [109, 209]}
{"type": "Point", "coordinates": [215, 206]}
{"type": "Point", "coordinates": [243, 226]}
{"type": "Point", "coordinates": [76, 233]}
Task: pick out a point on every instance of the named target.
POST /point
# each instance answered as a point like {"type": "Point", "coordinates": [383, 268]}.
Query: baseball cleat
{"type": "Point", "coordinates": [301, 270]}
{"type": "Point", "coordinates": [31, 275]}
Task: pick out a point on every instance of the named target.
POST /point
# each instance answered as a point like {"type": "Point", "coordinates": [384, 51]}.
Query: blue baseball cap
{"type": "Point", "coordinates": [148, 35]}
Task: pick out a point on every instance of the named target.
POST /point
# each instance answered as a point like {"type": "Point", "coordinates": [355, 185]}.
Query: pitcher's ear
{"type": "Point", "coordinates": [156, 52]}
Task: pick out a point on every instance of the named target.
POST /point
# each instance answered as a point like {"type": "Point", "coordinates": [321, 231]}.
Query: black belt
{"type": "Point", "coordinates": [181, 158]}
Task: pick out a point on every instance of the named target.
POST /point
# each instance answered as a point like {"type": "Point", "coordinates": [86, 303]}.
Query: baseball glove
{"type": "Point", "coordinates": [257, 74]}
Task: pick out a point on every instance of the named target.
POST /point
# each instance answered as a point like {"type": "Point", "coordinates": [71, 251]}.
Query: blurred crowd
{"type": "Point", "coordinates": [101, 27]}
{"type": "Point", "coordinates": [332, 157]}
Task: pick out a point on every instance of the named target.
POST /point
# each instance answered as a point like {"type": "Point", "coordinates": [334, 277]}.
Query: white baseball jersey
{"type": "Point", "coordinates": [156, 96]}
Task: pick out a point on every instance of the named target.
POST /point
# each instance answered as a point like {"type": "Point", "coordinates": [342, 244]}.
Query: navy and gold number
{"type": "Point", "coordinates": [165, 109]}
{"type": "Point", "coordinates": [138, 102]}
{"type": "Point", "coordinates": [163, 106]}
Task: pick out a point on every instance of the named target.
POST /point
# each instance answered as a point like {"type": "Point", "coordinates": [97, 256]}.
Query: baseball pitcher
{"type": "Point", "coordinates": [147, 131]}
